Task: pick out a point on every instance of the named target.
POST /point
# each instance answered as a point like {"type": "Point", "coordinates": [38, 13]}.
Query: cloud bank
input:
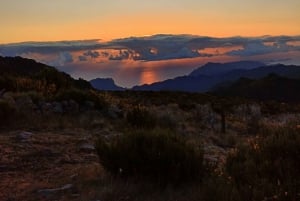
{"type": "Point", "coordinates": [164, 55]}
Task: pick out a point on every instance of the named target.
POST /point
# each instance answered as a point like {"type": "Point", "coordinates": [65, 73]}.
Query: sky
{"type": "Point", "coordinates": [137, 42]}
{"type": "Point", "coordinates": [52, 20]}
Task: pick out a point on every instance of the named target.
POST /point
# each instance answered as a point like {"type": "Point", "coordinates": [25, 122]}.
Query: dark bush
{"type": "Point", "coordinates": [140, 117]}
{"type": "Point", "coordinates": [157, 155]}
{"type": "Point", "coordinates": [81, 97]}
{"type": "Point", "coordinates": [269, 168]}
{"type": "Point", "coordinates": [7, 113]}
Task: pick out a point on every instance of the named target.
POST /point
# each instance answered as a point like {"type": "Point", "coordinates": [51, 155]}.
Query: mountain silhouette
{"type": "Point", "coordinates": [206, 80]}
{"type": "Point", "coordinates": [271, 87]}
{"type": "Point", "coordinates": [219, 68]}
{"type": "Point", "coordinates": [18, 74]}
{"type": "Point", "coordinates": [106, 84]}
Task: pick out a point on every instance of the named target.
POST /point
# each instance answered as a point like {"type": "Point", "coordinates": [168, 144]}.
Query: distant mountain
{"type": "Point", "coordinates": [219, 68]}
{"type": "Point", "coordinates": [106, 84]}
{"type": "Point", "coordinates": [207, 80]}
{"type": "Point", "coordinates": [271, 87]}
{"type": "Point", "coordinates": [290, 71]}
{"type": "Point", "coordinates": [184, 83]}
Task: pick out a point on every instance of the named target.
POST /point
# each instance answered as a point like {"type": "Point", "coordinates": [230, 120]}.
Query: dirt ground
{"type": "Point", "coordinates": [45, 165]}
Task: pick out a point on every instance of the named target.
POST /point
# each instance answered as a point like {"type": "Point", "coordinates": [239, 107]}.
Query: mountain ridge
{"type": "Point", "coordinates": [204, 83]}
{"type": "Point", "coordinates": [106, 84]}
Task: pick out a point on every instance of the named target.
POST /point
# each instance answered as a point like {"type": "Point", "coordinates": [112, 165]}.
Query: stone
{"type": "Point", "coordinates": [87, 147]}
{"type": "Point", "coordinates": [52, 191]}
{"type": "Point", "coordinates": [24, 136]}
{"type": "Point", "coordinates": [211, 159]}
{"type": "Point", "coordinates": [45, 107]}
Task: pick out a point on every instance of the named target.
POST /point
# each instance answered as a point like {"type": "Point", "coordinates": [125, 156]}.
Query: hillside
{"type": "Point", "coordinates": [62, 140]}
{"type": "Point", "coordinates": [20, 74]}
{"type": "Point", "coordinates": [211, 69]}
{"type": "Point", "coordinates": [271, 87]}
{"type": "Point", "coordinates": [206, 80]}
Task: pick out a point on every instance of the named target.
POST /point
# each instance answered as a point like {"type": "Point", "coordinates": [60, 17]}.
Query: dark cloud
{"type": "Point", "coordinates": [156, 48]}
{"type": "Point", "coordinates": [66, 57]}
{"type": "Point", "coordinates": [82, 58]}
{"type": "Point", "coordinates": [123, 55]}
{"type": "Point", "coordinates": [259, 48]}
{"type": "Point", "coordinates": [92, 54]}
{"type": "Point", "coordinates": [186, 46]}
{"type": "Point", "coordinates": [49, 47]}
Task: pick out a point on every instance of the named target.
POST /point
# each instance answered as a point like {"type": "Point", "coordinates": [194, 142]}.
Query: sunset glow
{"type": "Point", "coordinates": [141, 42]}
{"type": "Point", "coordinates": [35, 20]}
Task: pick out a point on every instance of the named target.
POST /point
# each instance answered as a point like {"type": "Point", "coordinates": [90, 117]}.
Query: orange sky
{"type": "Point", "coordinates": [35, 20]}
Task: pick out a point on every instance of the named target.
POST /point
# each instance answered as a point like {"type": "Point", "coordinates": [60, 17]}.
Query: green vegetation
{"type": "Point", "coordinates": [151, 145]}
{"type": "Point", "coordinates": [152, 155]}
{"type": "Point", "coordinates": [272, 87]}
{"type": "Point", "coordinates": [269, 167]}
{"type": "Point", "coordinates": [21, 75]}
{"type": "Point", "coordinates": [140, 117]}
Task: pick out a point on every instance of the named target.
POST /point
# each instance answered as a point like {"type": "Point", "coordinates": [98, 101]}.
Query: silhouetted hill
{"type": "Point", "coordinates": [20, 74]}
{"type": "Point", "coordinates": [271, 87]}
{"type": "Point", "coordinates": [184, 83]}
{"type": "Point", "coordinates": [20, 66]}
{"type": "Point", "coordinates": [219, 68]}
{"type": "Point", "coordinates": [106, 84]}
{"type": "Point", "coordinates": [204, 83]}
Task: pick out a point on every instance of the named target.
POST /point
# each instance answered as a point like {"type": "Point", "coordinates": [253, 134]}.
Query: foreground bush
{"type": "Point", "coordinates": [156, 155]}
{"type": "Point", "coordinates": [269, 168]}
{"type": "Point", "coordinates": [140, 117]}
{"type": "Point", "coordinates": [81, 97]}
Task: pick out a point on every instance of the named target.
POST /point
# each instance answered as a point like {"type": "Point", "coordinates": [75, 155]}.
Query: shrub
{"type": "Point", "coordinates": [269, 168]}
{"type": "Point", "coordinates": [167, 121]}
{"type": "Point", "coordinates": [7, 113]}
{"type": "Point", "coordinates": [154, 155]}
{"type": "Point", "coordinates": [81, 97]}
{"type": "Point", "coordinates": [140, 117]}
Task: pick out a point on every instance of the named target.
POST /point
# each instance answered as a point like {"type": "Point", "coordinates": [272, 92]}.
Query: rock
{"type": "Point", "coordinates": [211, 159]}
{"type": "Point", "coordinates": [24, 136]}
{"type": "Point", "coordinates": [87, 147]}
{"type": "Point", "coordinates": [49, 192]}
{"type": "Point", "coordinates": [57, 107]}
{"type": "Point", "coordinates": [45, 107]}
